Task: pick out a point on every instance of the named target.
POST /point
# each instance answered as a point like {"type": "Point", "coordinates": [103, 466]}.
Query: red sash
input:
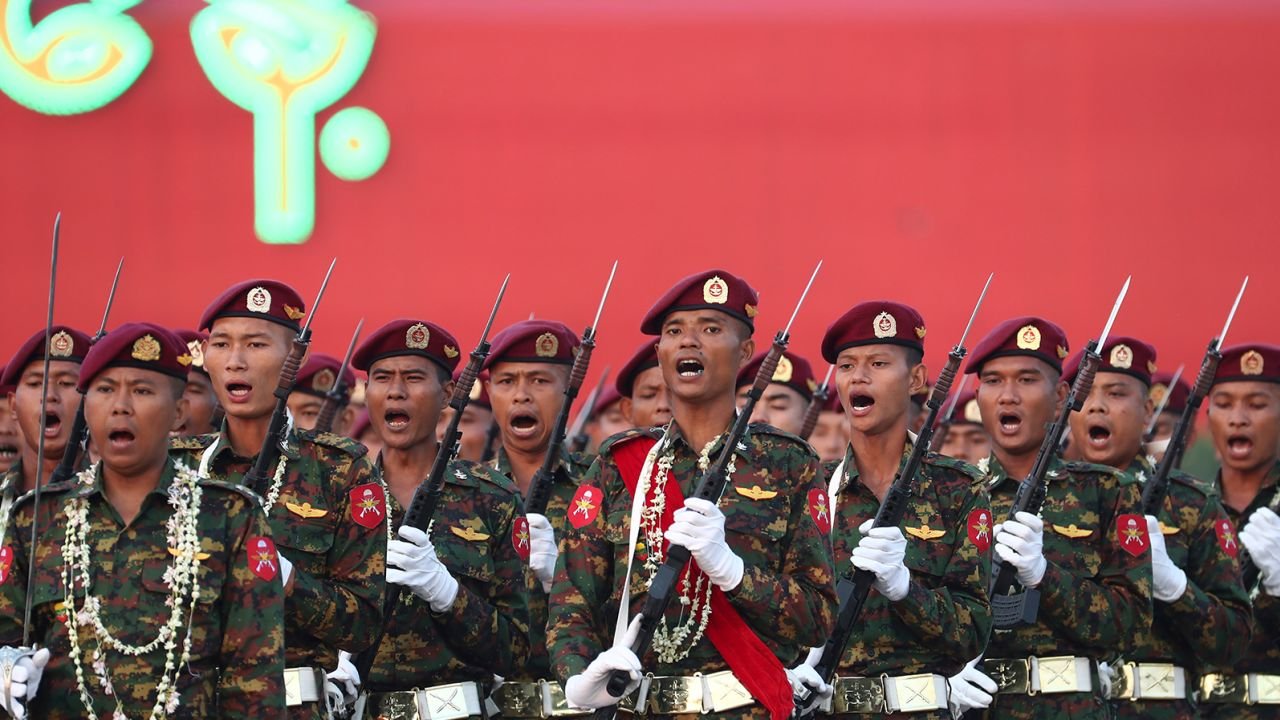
{"type": "Point", "coordinates": [751, 661]}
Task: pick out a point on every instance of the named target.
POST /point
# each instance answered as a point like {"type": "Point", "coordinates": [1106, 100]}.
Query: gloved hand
{"type": "Point", "coordinates": [1261, 537]}
{"type": "Point", "coordinates": [412, 562]}
{"type": "Point", "coordinates": [699, 526]}
{"type": "Point", "coordinates": [1020, 542]}
{"type": "Point", "coordinates": [590, 689]}
{"type": "Point", "coordinates": [542, 549]}
{"type": "Point", "coordinates": [805, 682]}
{"type": "Point", "coordinates": [970, 688]}
{"type": "Point", "coordinates": [286, 569]}
{"type": "Point", "coordinates": [882, 551]}
{"type": "Point", "coordinates": [1169, 581]}
{"type": "Point", "coordinates": [23, 681]}
{"type": "Point", "coordinates": [346, 678]}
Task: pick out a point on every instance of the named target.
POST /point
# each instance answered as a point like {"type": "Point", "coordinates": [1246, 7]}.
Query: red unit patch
{"type": "Point", "coordinates": [263, 560]}
{"type": "Point", "coordinates": [520, 537]}
{"type": "Point", "coordinates": [368, 505]}
{"type": "Point", "coordinates": [1227, 539]}
{"type": "Point", "coordinates": [1131, 533]}
{"type": "Point", "coordinates": [820, 509]}
{"type": "Point", "coordinates": [585, 506]}
{"type": "Point", "coordinates": [6, 563]}
{"type": "Point", "coordinates": [980, 528]}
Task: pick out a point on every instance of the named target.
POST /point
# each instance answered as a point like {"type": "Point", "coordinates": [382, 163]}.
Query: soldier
{"type": "Point", "coordinates": [1162, 385]}
{"type": "Point", "coordinates": [315, 379]}
{"type": "Point", "coordinates": [830, 435]}
{"type": "Point", "coordinates": [966, 439]}
{"type": "Point", "coordinates": [180, 568]}
{"type": "Point", "coordinates": [645, 401]}
{"type": "Point", "coordinates": [1244, 421]}
{"type": "Point", "coordinates": [1086, 552]}
{"type": "Point", "coordinates": [1202, 617]}
{"type": "Point", "coordinates": [915, 412]}
{"type": "Point", "coordinates": [10, 437]}
{"type": "Point", "coordinates": [607, 419]}
{"type": "Point", "coordinates": [786, 398]}
{"type": "Point", "coordinates": [928, 613]}
{"type": "Point", "coordinates": [324, 500]}
{"type": "Point", "coordinates": [476, 426]}
{"type": "Point", "coordinates": [463, 617]}
{"type": "Point", "coordinates": [203, 415]}
{"type": "Point", "coordinates": [760, 589]}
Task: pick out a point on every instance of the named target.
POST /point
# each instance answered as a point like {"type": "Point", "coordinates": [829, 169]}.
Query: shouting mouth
{"type": "Point", "coordinates": [396, 420]}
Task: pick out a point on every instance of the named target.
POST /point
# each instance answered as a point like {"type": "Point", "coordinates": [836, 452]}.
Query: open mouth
{"type": "Point", "coordinates": [861, 404]}
{"type": "Point", "coordinates": [689, 368]}
{"type": "Point", "coordinates": [8, 453]}
{"type": "Point", "coordinates": [396, 419]}
{"type": "Point", "coordinates": [52, 424]}
{"type": "Point", "coordinates": [238, 391]}
{"type": "Point", "coordinates": [523, 423]}
{"type": "Point", "coordinates": [1239, 446]}
{"type": "Point", "coordinates": [1010, 423]}
{"type": "Point", "coordinates": [121, 437]}
{"type": "Point", "coordinates": [1099, 435]}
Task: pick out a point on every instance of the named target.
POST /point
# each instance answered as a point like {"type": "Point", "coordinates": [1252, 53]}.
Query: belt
{"type": "Point", "coordinates": [1149, 681]}
{"type": "Point", "coordinates": [1042, 675]}
{"type": "Point", "coordinates": [885, 694]}
{"type": "Point", "coordinates": [440, 702]}
{"type": "Point", "coordinates": [303, 685]}
{"type": "Point", "coordinates": [1250, 689]}
{"type": "Point", "coordinates": [679, 695]}
{"type": "Point", "coordinates": [540, 699]}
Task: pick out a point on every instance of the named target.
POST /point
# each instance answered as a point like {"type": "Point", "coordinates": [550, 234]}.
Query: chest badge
{"type": "Point", "coordinates": [305, 510]}
{"type": "Point", "coordinates": [924, 532]}
{"type": "Point", "coordinates": [468, 534]}
{"type": "Point", "coordinates": [1071, 531]}
{"type": "Point", "coordinates": [200, 556]}
{"type": "Point", "coordinates": [1168, 529]}
{"type": "Point", "coordinates": [755, 492]}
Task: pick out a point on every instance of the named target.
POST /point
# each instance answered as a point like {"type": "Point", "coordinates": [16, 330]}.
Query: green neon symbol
{"type": "Point", "coordinates": [284, 61]}
{"type": "Point", "coordinates": [76, 60]}
{"type": "Point", "coordinates": [354, 143]}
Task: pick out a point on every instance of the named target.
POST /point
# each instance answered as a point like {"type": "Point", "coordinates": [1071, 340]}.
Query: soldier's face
{"type": "Point", "coordinates": [700, 352]}
{"type": "Point", "coordinates": [830, 435]}
{"type": "Point", "coordinates": [526, 397]}
{"type": "Point", "coordinates": [779, 406]}
{"type": "Point", "coordinates": [474, 427]}
{"type": "Point", "coordinates": [648, 405]}
{"type": "Point", "coordinates": [967, 442]}
{"type": "Point", "coordinates": [875, 383]}
{"type": "Point", "coordinates": [1163, 430]}
{"type": "Point", "coordinates": [305, 408]}
{"type": "Point", "coordinates": [202, 404]}
{"type": "Point", "coordinates": [1244, 418]}
{"type": "Point", "coordinates": [243, 357]}
{"type": "Point", "coordinates": [1108, 429]}
{"type": "Point", "coordinates": [1018, 396]}
{"type": "Point", "coordinates": [10, 437]}
{"type": "Point", "coordinates": [405, 398]}
{"type": "Point", "coordinates": [608, 422]}
{"type": "Point", "coordinates": [60, 412]}
{"type": "Point", "coordinates": [130, 413]}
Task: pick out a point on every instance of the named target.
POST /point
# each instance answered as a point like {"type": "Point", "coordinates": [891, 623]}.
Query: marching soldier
{"type": "Point", "coordinates": [203, 415]}
{"type": "Point", "coordinates": [1086, 553]}
{"type": "Point", "coordinates": [966, 439]}
{"type": "Point", "coordinates": [786, 398]}
{"type": "Point", "coordinates": [10, 437]}
{"type": "Point", "coordinates": [463, 617]}
{"type": "Point", "coordinates": [476, 426]}
{"type": "Point", "coordinates": [830, 435]}
{"type": "Point", "coordinates": [645, 401]}
{"type": "Point", "coordinates": [1202, 616]}
{"type": "Point", "coordinates": [760, 589]}
{"type": "Point", "coordinates": [928, 614]}
{"type": "Point", "coordinates": [607, 419]}
{"type": "Point", "coordinates": [156, 590]}
{"type": "Point", "coordinates": [315, 379]}
{"type": "Point", "coordinates": [324, 500]}
{"type": "Point", "coordinates": [1162, 385]}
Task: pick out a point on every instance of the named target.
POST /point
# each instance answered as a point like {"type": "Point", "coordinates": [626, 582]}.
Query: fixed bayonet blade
{"type": "Point", "coordinates": [493, 313]}
{"type": "Point", "coordinates": [316, 305]}
{"type": "Point", "coordinates": [974, 315]}
{"type": "Point", "coordinates": [600, 308]}
{"type": "Point", "coordinates": [1222, 336]}
{"type": "Point", "coordinates": [111, 299]}
{"type": "Point", "coordinates": [826, 381]}
{"type": "Point", "coordinates": [1115, 310]}
{"type": "Point", "coordinates": [786, 331]}
{"type": "Point", "coordinates": [1155, 416]}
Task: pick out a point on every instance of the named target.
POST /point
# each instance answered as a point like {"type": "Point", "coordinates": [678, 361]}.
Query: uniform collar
{"type": "Point", "coordinates": [455, 474]}
{"type": "Point", "coordinates": [742, 449]}
{"type": "Point", "coordinates": [996, 472]}
{"type": "Point", "coordinates": [851, 468]}
{"type": "Point", "coordinates": [502, 463]}
{"type": "Point", "coordinates": [222, 444]}
{"type": "Point", "coordinates": [94, 486]}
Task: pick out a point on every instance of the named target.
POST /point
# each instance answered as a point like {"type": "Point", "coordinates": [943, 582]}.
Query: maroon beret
{"type": "Point", "coordinates": [1179, 393]}
{"type": "Point", "coordinates": [545, 341]}
{"type": "Point", "coordinates": [645, 357]}
{"type": "Point", "coordinates": [872, 323]}
{"type": "Point", "coordinates": [360, 423]}
{"type": "Point", "coordinates": [137, 345]}
{"type": "Point", "coordinates": [320, 373]}
{"type": "Point", "coordinates": [479, 395]}
{"type": "Point", "coordinates": [1030, 336]}
{"type": "Point", "coordinates": [195, 347]}
{"type": "Point", "coordinates": [1249, 362]}
{"type": "Point", "coordinates": [64, 344]}
{"type": "Point", "coordinates": [1124, 355]}
{"type": "Point", "coordinates": [608, 397]}
{"type": "Point", "coordinates": [408, 337]}
{"type": "Point", "coordinates": [6, 389]}
{"type": "Point", "coordinates": [262, 299]}
{"type": "Point", "coordinates": [793, 371]}
{"type": "Point", "coordinates": [707, 290]}
{"type": "Point", "coordinates": [966, 411]}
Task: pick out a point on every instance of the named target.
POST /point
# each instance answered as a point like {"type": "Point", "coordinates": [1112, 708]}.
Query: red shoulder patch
{"type": "Point", "coordinates": [585, 506]}
{"type": "Point", "coordinates": [980, 528]}
{"type": "Point", "coordinates": [6, 563]}
{"type": "Point", "coordinates": [1131, 533]}
{"type": "Point", "coordinates": [263, 561]}
{"type": "Point", "coordinates": [1226, 537]}
{"type": "Point", "coordinates": [820, 509]}
{"type": "Point", "coordinates": [520, 537]}
{"type": "Point", "coordinates": [368, 504]}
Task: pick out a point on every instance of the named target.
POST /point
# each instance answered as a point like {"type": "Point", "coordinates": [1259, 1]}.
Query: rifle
{"type": "Point", "coordinates": [578, 430]}
{"type": "Point", "coordinates": [540, 486]}
{"type": "Point", "coordinates": [940, 438]}
{"type": "Point", "coordinates": [333, 398]}
{"type": "Point", "coordinates": [422, 508]}
{"type": "Point", "coordinates": [1149, 433]}
{"type": "Point", "coordinates": [490, 436]}
{"type": "Point", "coordinates": [710, 487]}
{"type": "Point", "coordinates": [819, 400]}
{"type": "Point", "coordinates": [1009, 608]}
{"type": "Point", "coordinates": [853, 591]}
{"type": "Point", "coordinates": [78, 439]}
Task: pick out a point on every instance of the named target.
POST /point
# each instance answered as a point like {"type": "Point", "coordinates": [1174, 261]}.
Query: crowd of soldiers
{"type": "Point", "coordinates": [166, 578]}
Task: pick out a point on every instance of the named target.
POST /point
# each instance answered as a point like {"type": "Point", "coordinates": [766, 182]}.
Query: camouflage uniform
{"type": "Point", "coordinates": [11, 492]}
{"type": "Point", "coordinates": [1094, 597]}
{"type": "Point", "coordinates": [787, 594]}
{"type": "Point", "coordinates": [237, 650]}
{"type": "Point", "coordinates": [1208, 628]}
{"type": "Point", "coordinates": [943, 621]}
{"type": "Point", "coordinates": [339, 565]}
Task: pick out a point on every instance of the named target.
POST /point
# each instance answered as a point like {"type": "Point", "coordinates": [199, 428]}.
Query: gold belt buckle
{"type": "Point", "coordinates": [1266, 689]}
{"type": "Point", "coordinates": [556, 699]}
{"type": "Point", "coordinates": [1220, 688]}
{"type": "Point", "coordinates": [443, 702]}
{"type": "Point", "coordinates": [916, 692]}
{"type": "Point", "coordinates": [858, 695]}
{"type": "Point", "coordinates": [727, 692]}
{"type": "Point", "coordinates": [1123, 682]}
{"type": "Point", "coordinates": [1058, 674]}
{"type": "Point", "coordinates": [673, 695]}
{"type": "Point", "coordinates": [292, 688]}
{"type": "Point", "coordinates": [1157, 681]}
{"type": "Point", "coordinates": [394, 705]}
{"type": "Point", "coordinates": [519, 699]}
{"type": "Point", "coordinates": [1012, 676]}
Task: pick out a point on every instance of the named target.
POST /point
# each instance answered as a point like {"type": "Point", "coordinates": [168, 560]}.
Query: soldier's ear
{"type": "Point", "coordinates": [625, 406]}
{"type": "Point", "coordinates": [183, 407]}
{"type": "Point", "coordinates": [919, 378]}
{"type": "Point", "coordinates": [748, 349]}
{"type": "Point", "coordinates": [13, 407]}
{"type": "Point", "coordinates": [1061, 391]}
{"type": "Point", "coordinates": [446, 393]}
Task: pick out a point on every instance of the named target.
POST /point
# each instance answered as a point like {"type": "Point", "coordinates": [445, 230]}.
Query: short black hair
{"type": "Point", "coordinates": [179, 387]}
{"type": "Point", "coordinates": [915, 356]}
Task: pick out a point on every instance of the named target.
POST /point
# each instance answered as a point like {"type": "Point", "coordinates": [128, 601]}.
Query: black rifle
{"type": "Point", "coordinates": [336, 394]}
{"type": "Point", "coordinates": [944, 425]}
{"type": "Point", "coordinates": [490, 437]}
{"type": "Point", "coordinates": [1150, 432]}
{"type": "Point", "coordinates": [816, 404]}
{"type": "Point", "coordinates": [578, 432]}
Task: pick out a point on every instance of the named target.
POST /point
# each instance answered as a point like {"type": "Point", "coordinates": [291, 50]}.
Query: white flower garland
{"type": "Point", "coordinates": [277, 481]}
{"type": "Point", "coordinates": [181, 577]}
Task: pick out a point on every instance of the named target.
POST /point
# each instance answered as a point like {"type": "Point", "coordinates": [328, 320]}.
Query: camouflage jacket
{"type": "Point", "coordinates": [11, 492]}
{"type": "Point", "coordinates": [569, 472]}
{"type": "Point", "coordinates": [479, 533]}
{"type": "Point", "coordinates": [1263, 652]}
{"type": "Point", "coordinates": [944, 620]}
{"type": "Point", "coordinates": [237, 649]}
{"type": "Point", "coordinates": [787, 593]}
{"type": "Point", "coordinates": [339, 564]}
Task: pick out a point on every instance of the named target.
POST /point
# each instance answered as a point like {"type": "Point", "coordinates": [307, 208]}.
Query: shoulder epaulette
{"type": "Point", "coordinates": [47, 490]}
{"type": "Point", "coordinates": [960, 466]}
{"type": "Point", "coordinates": [766, 429]}
{"type": "Point", "coordinates": [627, 436]}
{"type": "Point", "coordinates": [483, 473]}
{"type": "Point", "coordinates": [1203, 487]}
{"type": "Point", "coordinates": [1080, 466]}
{"type": "Point", "coordinates": [233, 487]}
{"type": "Point", "coordinates": [192, 442]}
{"type": "Point", "coordinates": [333, 440]}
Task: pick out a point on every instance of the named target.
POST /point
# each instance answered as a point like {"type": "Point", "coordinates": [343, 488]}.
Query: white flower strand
{"type": "Point", "coordinates": [277, 481]}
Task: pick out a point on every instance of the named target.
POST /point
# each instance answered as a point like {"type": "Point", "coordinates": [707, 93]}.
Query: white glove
{"type": "Point", "coordinates": [1107, 677]}
{"type": "Point", "coordinates": [412, 562]}
{"type": "Point", "coordinates": [882, 551]}
{"type": "Point", "coordinates": [699, 526]}
{"type": "Point", "coordinates": [286, 569]}
{"type": "Point", "coordinates": [1261, 537]}
{"type": "Point", "coordinates": [970, 689]}
{"type": "Point", "coordinates": [23, 681]}
{"type": "Point", "coordinates": [1020, 542]}
{"type": "Point", "coordinates": [806, 683]}
{"type": "Point", "coordinates": [590, 689]}
{"type": "Point", "coordinates": [542, 549]}
{"type": "Point", "coordinates": [1169, 582]}
{"type": "Point", "coordinates": [346, 678]}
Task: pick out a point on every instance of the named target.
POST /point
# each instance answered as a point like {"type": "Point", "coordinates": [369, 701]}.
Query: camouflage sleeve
{"type": "Point", "coordinates": [344, 610]}
{"type": "Point", "coordinates": [794, 604]}
{"type": "Point", "coordinates": [1101, 612]}
{"type": "Point", "coordinates": [1266, 611]}
{"type": "Point", "coordinates": [13, 578]}
{"type": "Point", "coordinates": [251, 683]}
